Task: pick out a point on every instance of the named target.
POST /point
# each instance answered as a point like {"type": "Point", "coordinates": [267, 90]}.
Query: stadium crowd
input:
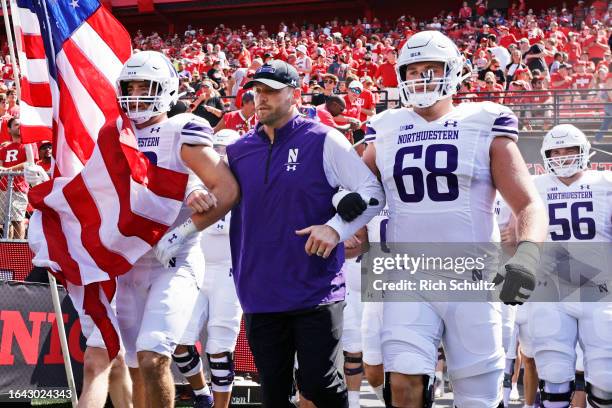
{"type": "Point", "coordinates": [348, 68]}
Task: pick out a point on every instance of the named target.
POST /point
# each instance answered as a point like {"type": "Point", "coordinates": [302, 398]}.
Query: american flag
{"type": "Point", "coordinates": [106, 205]}
{"type": "Point", "coordinates": [69, 95]}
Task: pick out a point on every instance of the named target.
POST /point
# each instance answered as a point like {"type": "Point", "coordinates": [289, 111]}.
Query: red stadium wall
{"type": "Point", "coordinates": [16, 264]}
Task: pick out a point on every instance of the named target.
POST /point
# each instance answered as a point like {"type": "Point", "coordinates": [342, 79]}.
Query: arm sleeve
{"type": "Point", "coordinates": [505, 124]}
{"type": "Point", "coordinates": [370, 132]}
{"type": "Point", "coordinates": [196, 131]}
{"type": "Point", "coordinates": [345, 169]}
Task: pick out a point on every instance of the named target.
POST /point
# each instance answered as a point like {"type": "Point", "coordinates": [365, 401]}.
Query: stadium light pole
{"type": "Point", "coordinates": [30, 160]}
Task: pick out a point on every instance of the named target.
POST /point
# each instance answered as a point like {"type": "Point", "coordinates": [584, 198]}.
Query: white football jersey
{"type": "Point", "coordinates": [216, 243]}
{"type": "Point", "coordinates": [437, 175]}
{"type": "Point", "coordinates": [503, 213]}
{"type": "Point", "coordinates": [581, 211]}
{"type": "Point", "coordinates": [162, 143]}
{"type": "Point", "coordinates": [376, 227]}
{"type": "Point", "coordinates": [580, 214]}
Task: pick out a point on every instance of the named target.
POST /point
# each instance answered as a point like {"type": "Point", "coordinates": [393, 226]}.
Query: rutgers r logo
{"type": "Point", "coordinates": [292, 160]}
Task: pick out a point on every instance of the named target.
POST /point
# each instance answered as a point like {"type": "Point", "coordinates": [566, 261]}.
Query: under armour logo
{"type": "Point", "coordinates": [171, 240]}
{"type": "Point", "coordinates": [603, 288]}
{"type": "Point", "coordinates": [155, 129]}
{"type": "Point", "coordinates": [585, 187]}
{"type": "Point", "coordinates": [292, 160]}
{"type": "Point", "coordinates": [452, 123]}
{"type": "Point", "coordinates": [476, 274]}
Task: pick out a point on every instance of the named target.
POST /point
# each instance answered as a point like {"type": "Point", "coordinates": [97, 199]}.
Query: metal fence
{"type": "Point", "coordinates": [537, 110]}
{"type": "Point", "coordinates": [13, 206]}
{"type": "Point", "coordinates": [541, 109]}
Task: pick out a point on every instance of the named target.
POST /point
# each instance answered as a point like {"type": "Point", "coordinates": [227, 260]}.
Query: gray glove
{"type": "Point", "coordinates": [518, 274]}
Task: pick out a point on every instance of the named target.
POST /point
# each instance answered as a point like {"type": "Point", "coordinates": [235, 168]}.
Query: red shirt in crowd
{"type": "Point", "coordinates": [367, 69]}
{"type": "Point", "coordinates": [11, 155]}
{"type": "Point", "coordinates": [353, 110]}
{"type": "Point", "coordinates": [506, 40]}
{"type": "Point", "coordinates": [236, 121]}
{"type": "Point", "coordinates": [582, 81]}
{"type": "Point", "coordinates": [538, 96]}
{"type": "Point", "coordinates": [557, 77]}
{"type": "Point", "coordinates": [365, 101]}
{"type": "Point", "coordinates": [465, 13]}
{"type": "Point", "coordinates": [7, 72]}
{"type": "Point", "coordinates": [4, 134]}
{"type": "Point", "coordinates": [45, 165]}
{"type": "Point", "coordinates": [598, 48]}
{"type": "Point", "coordinates": [318, 69]}
{"type": "Point", "coordinates": [573, 51]}
{"type": "Point", "coordinates": [386, 72]}
{"type": "Point", "coordinates": [358, 53]}
{"type": "Point", "coordinates": [324, 116]}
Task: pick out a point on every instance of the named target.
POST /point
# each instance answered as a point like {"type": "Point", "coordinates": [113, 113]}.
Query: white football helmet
{"type": "Point", "coordinates": [565, 136]}
{"type": "Point", "coordinates": [430, 46]}
{"type": "Point", "coordinates": [163, 80]}
{"type": "Point", "coordinates": [224, 138]}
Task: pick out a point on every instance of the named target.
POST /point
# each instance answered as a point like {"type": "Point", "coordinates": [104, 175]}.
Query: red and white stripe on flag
{"type": "Point", "coordinates": [106, 205]}
{"type": "Point", "coordinates": [36, 100]}
{"type": "Point", "coordinates": [94, 226]}
{"type": "Point", "coordinates": [69, 95]}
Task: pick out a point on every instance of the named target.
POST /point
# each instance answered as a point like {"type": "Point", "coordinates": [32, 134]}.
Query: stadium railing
{"type": "Point", "coordinates": [6, 200]}
{"type": "Point", "coordinates": [536, 114]}
{"type": "Point", "coordinates": [542, 109]}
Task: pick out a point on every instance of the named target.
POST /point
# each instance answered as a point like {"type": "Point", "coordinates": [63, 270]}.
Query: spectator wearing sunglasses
{"type": "Point", "coordinates": [352, 112]}
{"type": "Point", "coordinates": [330, 82]}
{"type": "Point", "coordinates": [208, 104]}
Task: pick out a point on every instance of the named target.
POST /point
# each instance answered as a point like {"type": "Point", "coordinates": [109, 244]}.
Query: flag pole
{"type": "Point", "coordinates": [59, 318]}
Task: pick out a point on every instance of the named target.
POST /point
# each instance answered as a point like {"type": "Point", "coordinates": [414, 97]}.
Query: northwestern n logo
{"type": "Point", "coordinates": [292, 160]}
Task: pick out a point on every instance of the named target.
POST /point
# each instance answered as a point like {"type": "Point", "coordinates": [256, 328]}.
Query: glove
{"type": "Point", "coordinates": [35, 174]}
{"type": "Point", "coordinates": [350, 205]}
{"type": "Point", "coordinates": [518, 274]}
{"type": "Point", "coordinates": [171, 242]}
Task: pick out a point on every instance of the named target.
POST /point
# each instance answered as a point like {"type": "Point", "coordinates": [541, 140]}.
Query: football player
{"type": "Point", "coordinates": [217, 307]}
{"type": "Point", "coordinates": [155, 302]}
{"type": "Point", "coordinates": [440, 166]}
{"type": "Point", "coordinates": [579, 204]}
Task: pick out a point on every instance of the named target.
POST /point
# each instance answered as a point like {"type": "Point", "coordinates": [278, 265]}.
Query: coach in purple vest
{"type": "Point", "coordinates": [284, 236]}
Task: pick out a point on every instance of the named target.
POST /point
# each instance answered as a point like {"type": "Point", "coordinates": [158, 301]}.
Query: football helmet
{"type": "Point", "coordinates": [423, 47]}
{"type": "Point", "coordinates": [154, 68]}
{"type": "Point", "coordinates": [225, 137]}
{"type": "Point", "coordinates": [565, 136]}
